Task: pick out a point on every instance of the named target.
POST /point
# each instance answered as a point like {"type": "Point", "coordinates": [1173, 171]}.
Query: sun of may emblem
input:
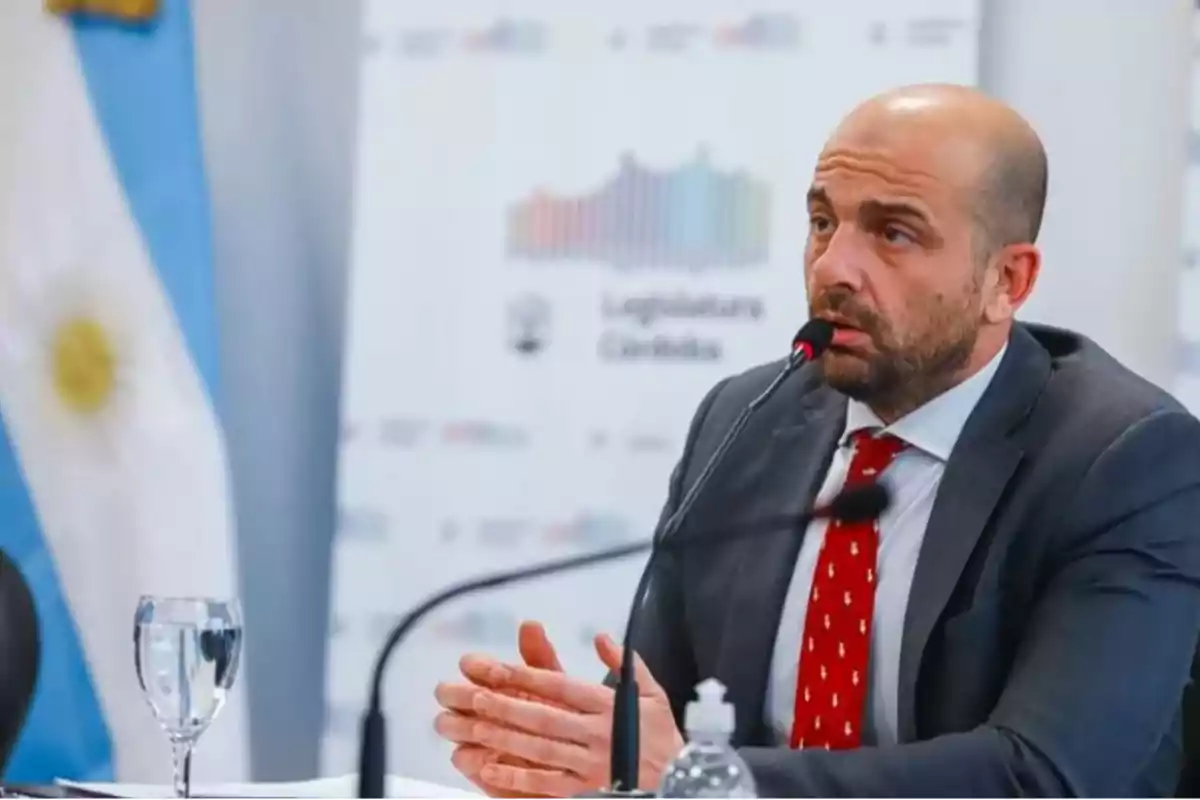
{"type": "Point", "coordinates": [83, 363]}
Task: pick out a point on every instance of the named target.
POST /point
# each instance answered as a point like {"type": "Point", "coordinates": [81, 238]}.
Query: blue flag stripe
{"type": "Point", "coordinates": [65, 735]}
{"type": "Point", "coordinates": [142, 84]}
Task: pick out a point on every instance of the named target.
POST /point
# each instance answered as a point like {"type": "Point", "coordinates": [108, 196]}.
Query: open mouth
{"type": "Point", "coordinates": [847, 336]}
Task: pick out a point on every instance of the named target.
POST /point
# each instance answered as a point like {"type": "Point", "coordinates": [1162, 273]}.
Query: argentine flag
{"type": "Point", "coordinates": [113, 475]}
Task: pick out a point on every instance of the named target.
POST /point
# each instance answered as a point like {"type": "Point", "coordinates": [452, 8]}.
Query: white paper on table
{"type": "Point", "coordinates": [344, 786]}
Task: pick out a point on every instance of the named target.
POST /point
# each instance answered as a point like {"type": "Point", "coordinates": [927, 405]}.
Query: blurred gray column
{"type": "Point", "coordinates": [278, 87]}
{"type": "Point", "coordinates": [1107, 83]}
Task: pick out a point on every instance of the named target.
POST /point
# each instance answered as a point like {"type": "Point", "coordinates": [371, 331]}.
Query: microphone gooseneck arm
{"type": "Point", "coordinates": [626, 725]}
{"type": "Point", "coordinates": [372, 755]}
{"type": "Point", "coordinates": [812, 340]}
{"type": "Point", "coordinates": [858, 501]}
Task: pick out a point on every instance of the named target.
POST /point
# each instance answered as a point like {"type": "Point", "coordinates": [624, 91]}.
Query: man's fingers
{"type": "Point", "coordinates": [535, 647]}
{"type": "Point", "coordinates": [537, 718]}
{"type": "Point", "coordinates": [457, 696]}
{"type": "Point", "coordinates": [611, 654]}
{"type": "Point", "coordinates": [507, 741]}
{"type": "Point", "coordinates": [455, 727]}
{"type": "Point", "coordinates": [461, 696]}
{"type": "Point", "coordinates": [488, 673]}
{"type": "Point", "coordinates": [544, 685]}
{"type": "Point", "coordinates": [484, 670]}
{"type": "Point", "coordinates": [545, 752]}
{"type": "Point", "coordinates": [533, 781]}
{"type": "Point", "coordinates": [470, 759]}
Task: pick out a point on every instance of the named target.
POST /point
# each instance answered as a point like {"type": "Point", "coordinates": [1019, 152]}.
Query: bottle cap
{"type": "Point", "coordinates": [709, 713]}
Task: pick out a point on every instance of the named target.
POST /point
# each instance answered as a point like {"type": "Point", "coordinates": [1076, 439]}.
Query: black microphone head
{"type": "Point", "coordinates": [860, 503]}
{"type": "Point", "coordinates": [812, 339]}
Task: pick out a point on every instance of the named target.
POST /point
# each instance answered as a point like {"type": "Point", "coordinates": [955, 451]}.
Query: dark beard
{"type": "Point", "coordinates": [895, 383]}
{"type": "Point", "coordinates": [896, 378]}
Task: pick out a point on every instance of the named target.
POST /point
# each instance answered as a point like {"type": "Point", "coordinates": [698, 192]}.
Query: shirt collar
{"type": "Point", "coordinates": [935, 426]}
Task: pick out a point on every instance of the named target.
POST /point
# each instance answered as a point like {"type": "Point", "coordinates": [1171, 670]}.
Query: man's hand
{"type": "Point", "coordinates": [470, 759]}
{"type": "Point", "coordinates": [558, 726]}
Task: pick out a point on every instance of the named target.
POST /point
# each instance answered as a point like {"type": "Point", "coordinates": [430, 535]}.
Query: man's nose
{"type": "Point", "coordinates": [841, 262]}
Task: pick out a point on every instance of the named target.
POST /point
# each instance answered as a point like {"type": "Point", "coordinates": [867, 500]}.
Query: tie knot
{"type": "Point", "coordinates": [873, 452]}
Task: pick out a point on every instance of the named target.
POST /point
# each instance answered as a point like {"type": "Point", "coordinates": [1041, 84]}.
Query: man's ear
{"type": "Point", "coordinates": [1010, 279]}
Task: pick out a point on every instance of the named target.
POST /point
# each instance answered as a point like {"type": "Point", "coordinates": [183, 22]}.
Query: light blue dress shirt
{"type": "Point", "coordinates": [913, 478]}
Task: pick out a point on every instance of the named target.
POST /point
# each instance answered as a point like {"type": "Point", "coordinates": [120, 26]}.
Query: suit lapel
{"type": "Point", "coordinates": [983, 461]}
{"type": "Point", "coordinates": [786, 479]}
{"type": "Point", "coordinates": [969, 491]}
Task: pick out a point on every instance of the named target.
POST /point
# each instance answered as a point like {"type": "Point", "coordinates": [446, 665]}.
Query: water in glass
{"type": "Point", "coordinates": [186, 653]}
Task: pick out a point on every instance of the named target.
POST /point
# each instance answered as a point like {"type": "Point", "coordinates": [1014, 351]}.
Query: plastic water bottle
{"type": "Point", "coordinates": [708, 766]}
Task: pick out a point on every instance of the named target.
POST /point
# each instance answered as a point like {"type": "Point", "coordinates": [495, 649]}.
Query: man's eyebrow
{"type": "Point", "coordinates": [873, 208]}
{"type": "Point", "coordinates": [880, 208]}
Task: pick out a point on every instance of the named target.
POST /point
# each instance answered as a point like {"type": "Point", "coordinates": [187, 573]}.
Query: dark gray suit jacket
{"type": "Point", "coordinates": [1055, 608]}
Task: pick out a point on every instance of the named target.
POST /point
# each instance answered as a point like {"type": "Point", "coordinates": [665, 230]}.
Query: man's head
{"type": "Point", "coordinates": [923, 212]}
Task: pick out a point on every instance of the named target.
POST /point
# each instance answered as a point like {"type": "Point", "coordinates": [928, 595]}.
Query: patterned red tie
{"type": "Point", "coordinates": [831, 684]}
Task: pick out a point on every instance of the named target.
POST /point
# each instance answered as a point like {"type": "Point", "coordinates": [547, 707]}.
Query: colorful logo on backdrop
{"type": "Point", "coordinates": [587, 529]}
{"type": "Point", "coordinates": [691, 217]}
{"type": "Point", "coordinates": [483, 433]}
{"type": "Point", "coordinates": [515, 36]}
{"type": "Point", "coordinates": [758, 32]}
{"type": "Point", "coordinates": [408, 433]}
{"type": "Point", "coordinates": [761, 32]}
{"type": "Point", "coordinates": [507, 36]}
{"type": "Point", "coordinates": [501, 37]}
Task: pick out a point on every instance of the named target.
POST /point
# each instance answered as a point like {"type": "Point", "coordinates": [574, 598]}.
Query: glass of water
{"type": "Point", "coordinates": [186, 650]}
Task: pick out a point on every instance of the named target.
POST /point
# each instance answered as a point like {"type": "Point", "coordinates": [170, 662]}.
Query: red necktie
{"type": "Point", "coordinates": [831, 684]}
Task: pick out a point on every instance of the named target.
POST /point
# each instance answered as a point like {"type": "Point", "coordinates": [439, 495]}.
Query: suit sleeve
{"type": "Point", "coordinates": [662, 637]}
{"type": "Point", "coordinates": [1098, 679]}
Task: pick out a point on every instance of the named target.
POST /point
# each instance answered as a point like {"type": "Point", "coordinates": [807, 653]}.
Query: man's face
{"type": "Point", "coordinates": [892, 260]}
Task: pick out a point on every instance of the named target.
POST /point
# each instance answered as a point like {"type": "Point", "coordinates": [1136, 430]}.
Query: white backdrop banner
{"type": "Point", "coordinates": [570, 222]}
{"type": "Point", "coordinates": [1187, 383]}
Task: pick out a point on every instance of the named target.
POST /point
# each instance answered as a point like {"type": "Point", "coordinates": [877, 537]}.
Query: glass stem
{"type": "Point", "coordinates": [182, 751]}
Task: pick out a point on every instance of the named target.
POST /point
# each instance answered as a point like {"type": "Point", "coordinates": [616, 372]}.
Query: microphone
{"type": "Point", "coordinates": [808, 344]}
{"type": "Point", "coordinates": [852, 504]}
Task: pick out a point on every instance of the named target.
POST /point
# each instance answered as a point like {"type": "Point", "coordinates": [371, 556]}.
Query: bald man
{"type": "Point", "coordinates": [1021, 621]}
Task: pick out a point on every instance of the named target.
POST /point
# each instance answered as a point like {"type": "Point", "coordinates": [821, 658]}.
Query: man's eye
{"type": "Point", "coordinates": [895, 235]}
{"type": "Point", "coordinates": [819, 223]}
